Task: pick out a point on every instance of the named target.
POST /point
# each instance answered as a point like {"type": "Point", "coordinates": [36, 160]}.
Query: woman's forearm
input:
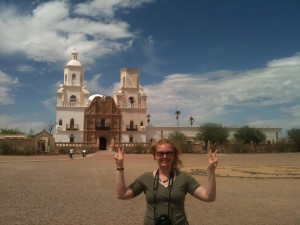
{"type": "Point", "coordinates": [211, 186]}
{"type": "Point", "coordinates": [121, 186]}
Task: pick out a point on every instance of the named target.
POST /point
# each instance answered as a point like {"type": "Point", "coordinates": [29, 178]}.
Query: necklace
{"type": "Point", "coordinates": [164, 181]}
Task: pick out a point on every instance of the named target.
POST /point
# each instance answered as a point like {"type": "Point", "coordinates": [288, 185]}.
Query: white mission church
{"type": "Point", "coordinates": [81, 118]}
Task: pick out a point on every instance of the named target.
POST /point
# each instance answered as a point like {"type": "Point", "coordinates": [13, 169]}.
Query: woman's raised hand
{"type": "Point", "coordinates": [119, 157]}
{"type": "Point", "coordinates": [212, 160]}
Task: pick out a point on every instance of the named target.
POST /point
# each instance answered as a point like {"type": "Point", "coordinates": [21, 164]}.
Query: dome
{"type": "Point", "coordinates": [91, 98]}
{"type": "Point", "coordinates": [74, 62]}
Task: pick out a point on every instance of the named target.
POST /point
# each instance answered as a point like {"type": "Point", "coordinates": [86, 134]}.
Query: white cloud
{"type": "Point", "coordinates": [21, 123]}
{"type": "Point", "coordinates": [50, 104]}
{"type": "Point", "coordinates": [107, 9]}
{"type": "Point", "coordinates": [214, 96]}
{"type": "Point", "coordinates": [41, 34]}
{"type": "Point", "coordinates": [25, 68]}
{"type": "Point", "coordinates": [7, 83]}
{"type": "Point", "coordinates": [94, 86]}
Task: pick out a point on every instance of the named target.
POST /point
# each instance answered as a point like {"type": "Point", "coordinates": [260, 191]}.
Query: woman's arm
{"type": "Point", "coordinates": [209, 194]}
{"type": "Point", "coordinates": [123, 192]}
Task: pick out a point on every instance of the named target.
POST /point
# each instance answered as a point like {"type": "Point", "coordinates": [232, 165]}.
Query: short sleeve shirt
{"type": "Point", "coordinates": [183, 184]}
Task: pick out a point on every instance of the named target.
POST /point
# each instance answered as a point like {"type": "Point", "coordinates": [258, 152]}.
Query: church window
{"type": "Point", "coordinates": [71, 138]}
{"type": "Point", "coordinates": [73, 79]}
{"type": "Point", "coordinates": [60, 122]}
{"type": "Point", "coordinates": [123, 81]}
{"type": "Point", "coordinates": [66, 78]}
{"type": "Point", "coordinates": [130, 138]}
{"type": "Point", "coordinates": [141, 123]}
{"type": "Point", "coordinates": [131, 101]}
{"type": "Point", "coordinates": [131, 124]}
{"type": "Point", "coordinates": [73, 100]}
{"type": "Point", "coordinates": [72, 123]}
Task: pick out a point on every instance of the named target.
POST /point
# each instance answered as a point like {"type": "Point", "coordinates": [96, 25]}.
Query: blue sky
{"type": "Point", "coordinates": [234, 62]}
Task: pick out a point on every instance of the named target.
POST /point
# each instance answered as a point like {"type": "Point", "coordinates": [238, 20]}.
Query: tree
{"type": "Point", "coordinates": [192, 120]}
{"type": "Point", "coordinates": [178, 138]}
{"type": "Point", "coordinates": [177, 113]}
{"type": "Point", "coordinates": [31, 133]}
{"type": "Point", "coordinates": [148, 118]}
{"type": "Point", "coordinates": [248, 134]}
{"type": "Point", "coordinates": [293, 136]}
{"type": "Point", "coordinates": [50, 126]}
{"type": "Point", "coordinates": [213, 132]}
{"type": "Point", "coordinates": [10, 131]}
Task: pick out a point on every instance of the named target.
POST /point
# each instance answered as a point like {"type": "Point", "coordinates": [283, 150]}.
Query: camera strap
{"type": "Point", "coordinates": [155, 187]}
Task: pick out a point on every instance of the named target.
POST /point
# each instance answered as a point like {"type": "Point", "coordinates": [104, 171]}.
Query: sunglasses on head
{"type": "Point", "coordinates": [161, 153]}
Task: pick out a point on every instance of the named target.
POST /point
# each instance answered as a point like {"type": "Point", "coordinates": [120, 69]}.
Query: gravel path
{"type": "Point", "coordinates": [38, 190]}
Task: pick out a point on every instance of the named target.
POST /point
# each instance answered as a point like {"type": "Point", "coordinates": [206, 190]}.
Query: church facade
{"type": "Point", "coordinates": [81, 118]}
{"type": "Point", "coordinates": [103, 121]}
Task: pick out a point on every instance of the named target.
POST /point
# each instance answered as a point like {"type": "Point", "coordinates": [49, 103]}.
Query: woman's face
{"type": "Point", "coordinates": [164, 155]}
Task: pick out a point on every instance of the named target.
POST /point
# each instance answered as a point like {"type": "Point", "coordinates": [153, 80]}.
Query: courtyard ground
{"type": "Point", "coordinates": [251, 189]}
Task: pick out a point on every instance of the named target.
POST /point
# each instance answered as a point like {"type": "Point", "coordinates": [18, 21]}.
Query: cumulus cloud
{"type": "Point", "coordinates": [21, 123]}
{"type": "Point", "coordinates": [218, 94]}
{"type": "Point", "coordinates": [95, 87]}
{"type": "Point", "coordinates": [7, 84]}
{"type": "Point", "coordinates": [50, 27]}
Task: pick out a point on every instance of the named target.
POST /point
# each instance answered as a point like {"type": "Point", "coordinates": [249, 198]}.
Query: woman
{"type": "Point", "coordinates": [166, 187]}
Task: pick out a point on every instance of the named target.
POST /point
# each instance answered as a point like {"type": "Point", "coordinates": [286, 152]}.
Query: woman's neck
{"type": "Point", "coordinates": [165, 172]}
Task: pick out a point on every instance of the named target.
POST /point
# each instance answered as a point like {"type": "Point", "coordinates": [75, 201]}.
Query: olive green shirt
{"type": "Point", "coordinates": [183, 184]}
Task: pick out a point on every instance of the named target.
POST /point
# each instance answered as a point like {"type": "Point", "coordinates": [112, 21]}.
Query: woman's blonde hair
{"type": "Point", "coordinates": [177, 163]}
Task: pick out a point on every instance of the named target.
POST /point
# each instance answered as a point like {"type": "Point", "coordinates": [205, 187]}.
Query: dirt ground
{"type": "Point", "coordinates": [251, 189]}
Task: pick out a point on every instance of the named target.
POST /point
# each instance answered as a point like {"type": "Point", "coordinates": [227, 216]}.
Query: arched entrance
{"type": "Point", "coordinates": [102, 143]}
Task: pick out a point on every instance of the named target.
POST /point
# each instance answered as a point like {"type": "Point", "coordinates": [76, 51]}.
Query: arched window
{"type": "Point", "coordinates": [73, 79]}
{"type": "Point", "coordinates": [73, 100]}
{"type": "Point", "coordinates": [72, 123]}
{"type": "Point", "coordinates": [71, 138]}
{"type": "Point", "coordinates": [66, 78]}
{"type": "Point", "coordinates": [131, 101]}
{"type": "Point", "coordinates": [60, 122]}
{"type": "Point", "coordinates": [131, 124]}
{"type": "Point", "coordinates": [141, 123]}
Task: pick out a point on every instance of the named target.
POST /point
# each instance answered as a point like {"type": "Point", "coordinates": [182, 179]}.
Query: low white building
{"type": "Point", "coordinates": [157, 132]}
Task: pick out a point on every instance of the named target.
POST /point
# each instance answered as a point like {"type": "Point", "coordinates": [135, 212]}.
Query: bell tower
{"type": "Point", "coordinates": [72, 99]}
{"type": "Point", "coordinates": [131, 99]}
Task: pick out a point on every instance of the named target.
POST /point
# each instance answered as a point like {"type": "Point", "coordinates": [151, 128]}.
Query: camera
{"type": "Point", "coordinates": [163, 220]}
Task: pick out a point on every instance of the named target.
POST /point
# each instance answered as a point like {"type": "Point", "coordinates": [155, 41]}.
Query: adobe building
{"type": "Point", "coordinates": [81, 118]}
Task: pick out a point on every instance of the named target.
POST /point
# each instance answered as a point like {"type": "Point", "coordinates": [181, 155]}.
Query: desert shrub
{"type": "Point", "coordinates": [30, 150]}
{"type": "Point", "coordinates": [64, 151]}
{"type": "Point", "coordinates": [237, 146]}
{"type": "Point", "coordinates": [136, 149]}
{"type": "Point", "coordinates": [281, 146]}
{"type": "Point", "coordinates": [7, 147]}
